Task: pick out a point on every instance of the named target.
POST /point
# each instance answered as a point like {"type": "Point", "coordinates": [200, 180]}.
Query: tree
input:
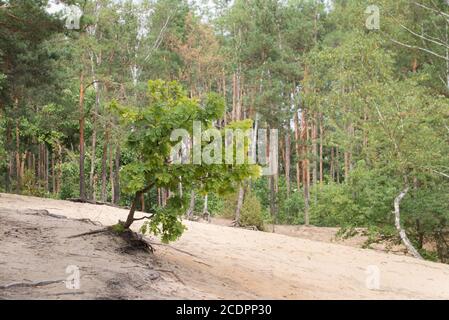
{"type": "Point", "coordinates": [152, 127]}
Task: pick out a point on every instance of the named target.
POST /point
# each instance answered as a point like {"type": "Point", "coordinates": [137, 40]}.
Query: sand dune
{"type": "Point", "coordinates": [209, 261]}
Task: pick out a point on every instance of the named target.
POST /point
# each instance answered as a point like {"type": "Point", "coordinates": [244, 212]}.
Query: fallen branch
{"type": "Point", "coordinates": [145, 217]}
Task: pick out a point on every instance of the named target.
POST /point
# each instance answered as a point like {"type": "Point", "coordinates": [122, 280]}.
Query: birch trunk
{"type": "Point", "coordinates": [397, 222]}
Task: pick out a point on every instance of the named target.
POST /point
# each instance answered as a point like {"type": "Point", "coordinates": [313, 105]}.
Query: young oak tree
{"type": "Point", "coordinates": [150, 132]}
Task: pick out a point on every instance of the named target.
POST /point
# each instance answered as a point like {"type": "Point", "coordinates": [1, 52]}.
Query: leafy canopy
{"type": "Point", "coordinates": [150, 129]}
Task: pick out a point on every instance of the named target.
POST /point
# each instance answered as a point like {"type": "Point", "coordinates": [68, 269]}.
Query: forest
{"type": "Point", "coordinates": [357, 90]}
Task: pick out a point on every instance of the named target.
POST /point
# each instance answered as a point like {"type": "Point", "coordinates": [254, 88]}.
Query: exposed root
{"type": "Point", "coordinates": [95, 223]}
{"type": "Point", "coordinates": [78, 200]}
{"type": "Point", "coordinates": [176, 249]}
{"type": "Point", "coordinates": [253, 228]}
{"type": "Point", "coordinates": [46, 213]}
{"type": "Point", "coordinates": [193, 218]}
{"type": "Point", "coordinates": [135, 242]}
{"type": "Point", "coordinates": [90, 233]}
{"type": "Point", "coordinates": [29, 284]}
{"type": "Point", "coordinates": [41, 213]}
{"type": "Point", "coordinates": [237, 224]}
{"type": "Point", "coordinates": [206, 216]}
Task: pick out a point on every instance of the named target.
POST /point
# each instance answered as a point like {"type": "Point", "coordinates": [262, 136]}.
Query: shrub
{"type": "Point", "coordinates": [30, 185]}
{"type": "Point", "coordinates": [251, 214]}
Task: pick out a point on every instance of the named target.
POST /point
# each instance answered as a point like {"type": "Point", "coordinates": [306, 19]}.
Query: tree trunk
{"type": "Point", "coordinates": [337, 164]}
{"type": "Point", "coordinates": [111, 170]}
{"type": "Point", "coordinates": [287, 160]}
{"type": "Point", "coordinates": [314, 149]}
{"type": "Point", "coordinates": [92, 160]}
{"type": "Point", "coordinates": [205, 206]}
{"type": "Point", "coordinates": [305, 166]}
{"type": "Point", "coordinates": [132, 211]}
{"type": "Point", "coordinates": [321, 150]}
{"type": "Point", "coordinates": [238, 209]}
{"type": "Point", "coordinates": [103, 167]}
{"type": "Point", "coordinates": [298, 151]}
{"type": "Point", "coordinates": [59, 175]}
{"type": "Point", "coordinates": [53, 172]}
{"type": "Point", "coordinates": [332, 165]}
{"type": "Point", "coordinates": [18, 177]}
{"type": "Point", "coordinates": [116, 194]}
{"type": "Point", "coordinates": [401, 231]}
{"type": "Point", "coordinates": [46, 168]}
{"type": "Point", "coordinates": [81, 123]}
{"type": "Point", "coordinates": [94, 119]}
{"type": "Point", "coordinates": [137, 197]}
{"type": "Point", "coordinates": [191, 209]}
{"type": "Point", "coordinates": [142, 202]}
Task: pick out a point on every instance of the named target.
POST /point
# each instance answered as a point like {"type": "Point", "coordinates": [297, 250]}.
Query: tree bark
{"type": "Point", "coordinates": [305, 166]}
{"type": "Point", "coordinates": [191, 209]}
{"type": "Point", "coordinates": [116, 194]}
{"type": "Point", "coordinates": [332, 165]}
{"type": "Point", "coordinates": [298, 151]}
{"type": "Point", "coordinates": [321, 150]}
{"type": "Point", "coordinates": [401, 231]}
{"type": "Point", "coordinates": [238, 209]}
{"type": "Point", "coordinates": [18, 177]}
{"type": "Point", "coordinates": [103, 167]}
{"type": "Point", "coordinates": [53, 172]}
{"type": "Point", "coordinates": [81, 132]}
{"type": "Point", "coordinates": [314, 149]}
{"type": "Point", "coordinates": [111, 170]}
{"type": "Point", "coordinates": [137, 197]}
{"type": "Point", "coordinates": [287, 160]}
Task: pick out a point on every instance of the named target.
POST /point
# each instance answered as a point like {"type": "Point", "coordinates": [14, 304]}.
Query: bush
{"type": "Point", "coordinates": [31, 186]}
{"type": "Point", "coordinates": [214, 203]}
{"type": "Point", "coordinates": [364, 200]}
{"type": "Point", "coordinates": [70, 177]}
{"type": "Point", "coordinates": [251, 214]}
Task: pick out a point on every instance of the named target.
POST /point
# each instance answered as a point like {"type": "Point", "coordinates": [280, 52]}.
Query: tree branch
{"type": "Point", "coordinates": [145, 217]}
{"type": "Point", "coordinates": [419, 48]}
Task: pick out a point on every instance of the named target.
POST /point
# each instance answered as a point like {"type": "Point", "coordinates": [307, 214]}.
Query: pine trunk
{"type": "Point", "coordinates": [81, 132]}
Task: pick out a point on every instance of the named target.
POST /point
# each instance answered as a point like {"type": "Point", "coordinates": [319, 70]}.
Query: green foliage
{"type": "Point", "coordinates": [70, 176]}
{"type": "Point", "coordinates": [366, 199]}
{"type": "Point", "coordinates": [251, 214]}
{"type": "Point", "coordinates": [215, 203]}
{"type": "Point", "coordinates": [166, 221]}
{"type": "Point", "coordinates": [31, 186]}
{"type": "Point", "coordinates": [118, 228]}
{"type": "Point", "coordinates": [150, 140]}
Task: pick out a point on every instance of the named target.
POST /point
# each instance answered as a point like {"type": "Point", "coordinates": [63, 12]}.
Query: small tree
{"type": "Point", "coordinates": [149, 138]}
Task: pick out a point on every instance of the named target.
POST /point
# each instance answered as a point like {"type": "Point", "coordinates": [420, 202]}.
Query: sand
{"type": "Point", "coordinates": [209, 262]}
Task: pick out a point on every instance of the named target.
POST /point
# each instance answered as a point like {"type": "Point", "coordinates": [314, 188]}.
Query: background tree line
{"type": "Point", "coordinates": [362, 114]}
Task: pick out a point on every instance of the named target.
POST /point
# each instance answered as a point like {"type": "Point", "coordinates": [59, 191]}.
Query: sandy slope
{"type": "Point", "coordinates": [212, 261]}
